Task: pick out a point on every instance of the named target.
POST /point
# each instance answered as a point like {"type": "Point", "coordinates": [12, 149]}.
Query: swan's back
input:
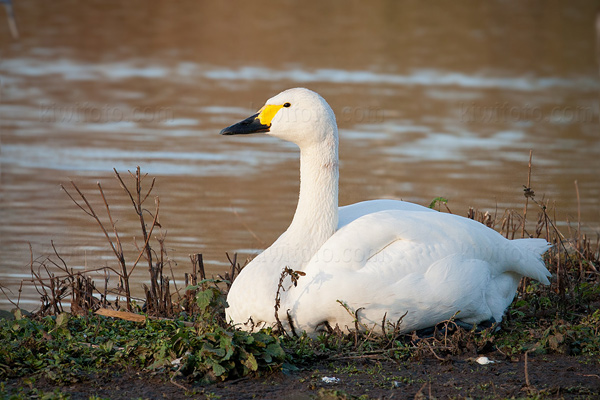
{"type": "Point", "coordinates": [407, 240]}
{"type": "Point", "coordinates": [354, 211]}
{"type": "Point", "coordinates": [430, 264]}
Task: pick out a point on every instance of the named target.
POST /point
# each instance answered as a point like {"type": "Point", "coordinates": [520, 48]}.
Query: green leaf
{"type": "Point", "coordinates": [243, 337]}
{"type": "Point", "coordinates": [250, 362]}
{"type": "Point", "coordinates": [227, 345]}
{"type": "Point", "coordinates": [275, 351]}
{"type": "Point", "coordinates": [62, 320]}
{"type": "Point", "coordinates": [261, 339]}
{"type": "Point", "coordinates": [217, 368]}
{"type": "Point", "coordinates": [441, 200]}
{"type": "Point", "coordinates": [209, 351]}
{"type": "Point", "coordinates": [107, 346]}
{"type": "Point", "coordinates": [203, 299]}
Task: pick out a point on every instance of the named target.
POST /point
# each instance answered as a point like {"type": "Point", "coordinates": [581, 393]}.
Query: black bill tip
{"type": "Point", "coordinates": [248, 126]}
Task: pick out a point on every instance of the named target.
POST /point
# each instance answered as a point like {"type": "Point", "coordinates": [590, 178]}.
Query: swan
{"type": "Point", "coordinates": [374, 259]}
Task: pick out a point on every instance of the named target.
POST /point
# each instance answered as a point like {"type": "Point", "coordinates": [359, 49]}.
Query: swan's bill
{"type": "Point", "coordinates": [259, 122]}
{"type": "Point", "coordinates": [250, 125]}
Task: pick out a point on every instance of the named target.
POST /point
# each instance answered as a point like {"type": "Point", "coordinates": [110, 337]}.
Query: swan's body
{"type": "Point", "coordinates": [384, 257]}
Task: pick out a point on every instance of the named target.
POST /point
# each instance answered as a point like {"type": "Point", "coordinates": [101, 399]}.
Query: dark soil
{"type": "Point", "coordinates": [543, 376]}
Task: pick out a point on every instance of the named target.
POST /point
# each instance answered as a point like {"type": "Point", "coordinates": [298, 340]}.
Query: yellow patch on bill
{"type": "Point", "coordinates": [267, 113]}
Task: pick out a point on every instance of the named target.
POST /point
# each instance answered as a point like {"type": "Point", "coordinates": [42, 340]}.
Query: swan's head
{"type": "Point", "coordinates": [297, 115]}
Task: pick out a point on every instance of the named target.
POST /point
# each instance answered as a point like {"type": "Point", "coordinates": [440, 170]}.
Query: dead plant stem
{"type": "Point", "coordinates": [528, 188]}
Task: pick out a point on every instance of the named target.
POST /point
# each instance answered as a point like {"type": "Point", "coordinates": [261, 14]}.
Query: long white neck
{"type": "Point", "coordinates": [316, 216]}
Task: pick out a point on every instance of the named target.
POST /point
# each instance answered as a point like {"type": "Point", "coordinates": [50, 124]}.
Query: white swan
{"type": "Point", "coordinates": [381, 257]}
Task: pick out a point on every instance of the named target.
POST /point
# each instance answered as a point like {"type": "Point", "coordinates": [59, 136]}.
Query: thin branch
{"type": "Point", "coordinates": [112, 223]}
{"type": "Point", "coordinates": [527, 194]}
{"type": "Point", "coordinates": [75, 201]}
{"type": "Point", "coordinates": [149, 190]}
{"type": "Point", "coordinates": [124, 186]}
{"type": "Point", "coordinates": [144, 247]}
{"type": "Point", "coordinates": [93, 214]}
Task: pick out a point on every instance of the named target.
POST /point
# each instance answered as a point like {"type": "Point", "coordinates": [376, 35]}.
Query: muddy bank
{"type": "Point", "coordinates": [372, 377]}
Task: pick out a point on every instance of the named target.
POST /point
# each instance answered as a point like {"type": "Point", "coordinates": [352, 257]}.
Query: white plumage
{"type": "Point", "coordinates": [381, 257]}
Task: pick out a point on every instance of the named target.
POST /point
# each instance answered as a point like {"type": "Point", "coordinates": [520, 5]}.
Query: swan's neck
{"type": "Point", "coordinates": [316, 216]}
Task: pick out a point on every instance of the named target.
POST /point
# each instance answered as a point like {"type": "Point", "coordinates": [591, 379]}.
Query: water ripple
{"type": "Point", "coordinates": [75, 70]}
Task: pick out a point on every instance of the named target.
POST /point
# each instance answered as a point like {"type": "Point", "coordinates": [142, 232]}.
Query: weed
{"type": "Point", "coordinates": [64, 350]}
{"type": "Point", "coordinates": [26, 394]}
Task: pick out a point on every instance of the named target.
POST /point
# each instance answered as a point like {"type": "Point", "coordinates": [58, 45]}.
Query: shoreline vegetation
{"type": "Point", "coordinates": [92, 339]}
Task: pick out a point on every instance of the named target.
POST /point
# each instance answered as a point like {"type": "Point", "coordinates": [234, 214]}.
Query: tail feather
{"type": "Point", "coordinates": [531, 263]}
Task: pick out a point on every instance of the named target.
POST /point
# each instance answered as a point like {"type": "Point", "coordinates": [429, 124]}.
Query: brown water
{"type": "Point", "coordinates": [432, 99]}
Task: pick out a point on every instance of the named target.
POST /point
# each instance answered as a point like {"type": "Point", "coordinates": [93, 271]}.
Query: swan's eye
{"type": "Point", "coordinates": [286, 105]}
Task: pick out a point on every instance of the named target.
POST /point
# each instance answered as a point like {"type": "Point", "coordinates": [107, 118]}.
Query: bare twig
{"type": "Point", "coordinates": [116, 248]}
{"type": "Point", "coordinates": [112, 223]}
{"type": "Point", "coordinates": [433, 352]}
{"type": "Point", "coordinates": [528, 193]}
{"type": "Point", "coordinates": [147, 237]}
{"type": "Point", "coordinates": [579, 243]}
{"type": "Point", "coordinates": [294, 276]}
{"type": "Point", "coordinates": [90, 211]}
{"type": "Point", "coordinates": [527, 369]}
{"type": "Point", "coordinates": [8, 297]}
